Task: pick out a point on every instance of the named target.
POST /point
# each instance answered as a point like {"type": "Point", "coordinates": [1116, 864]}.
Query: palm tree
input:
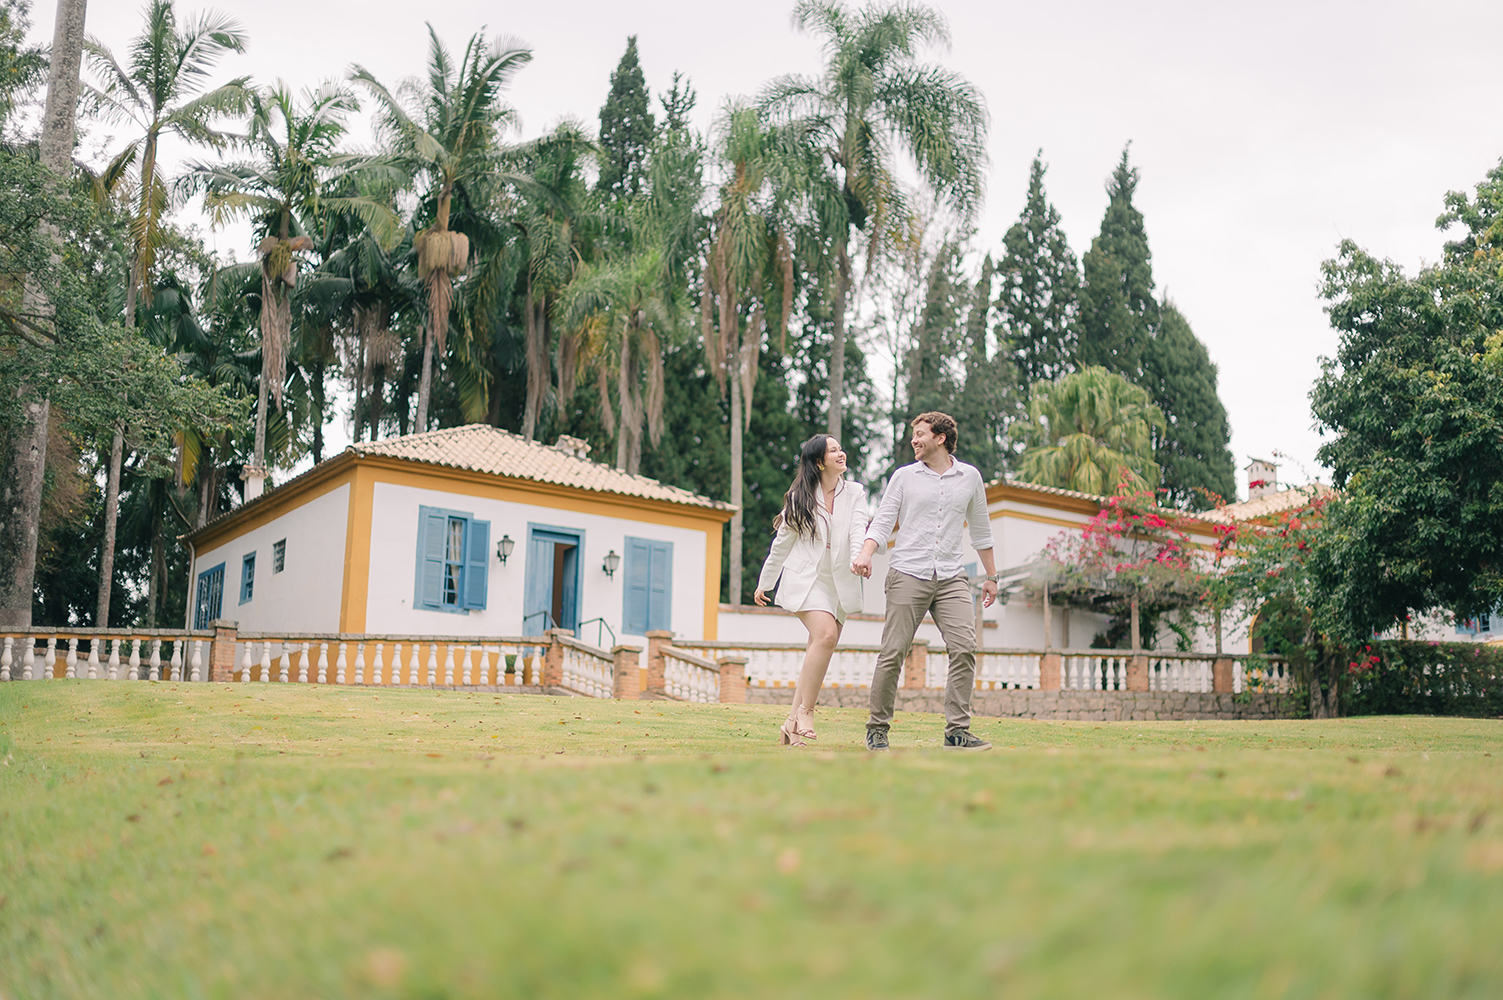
{"type": "Point", "coordinates": [161, 92]}
{"type": "Point", "coordinates": [283, 190]}
{"type": "Point", "coordinates": [449, 138]}
{"type": "Point", "coordinates": [1091, 431]}
{"type": "Point", "coordinates": [874, 93]}
{"type": "Point", "coordinates": [748, 269]}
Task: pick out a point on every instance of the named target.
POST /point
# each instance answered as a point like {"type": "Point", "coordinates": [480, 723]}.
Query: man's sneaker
{"type": "Point", "coordinates": [963, 739]}
{"type": "Point", "coordinates": [876, 740]}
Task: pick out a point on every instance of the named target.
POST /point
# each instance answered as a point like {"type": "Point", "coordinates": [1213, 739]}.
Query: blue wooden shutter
{"type": "Point", "coordinates": [476, 565]}
{"type": "Point", "coordinates": [537, 597]}
{"type": "Point", "coordinates": [660, 587]}
{"type": "Point", "coordinates": [247, 577]}
{"type": "Point", "coordinates": [432, 530]}
{"type": "Point", "coordinates": [635, 615]}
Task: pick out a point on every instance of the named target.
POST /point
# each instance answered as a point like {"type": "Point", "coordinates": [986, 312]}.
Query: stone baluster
{"type": "Point", "coordinates": [377, 665]}
{"type": "Point", "coordinates": [340, 664]}
{"type": "Point", "coordinates": [177, 659]}
{"type": "Point", "coordinates": [449, 665]}
{"type": "Point", "coordinates": [245, 665]}
{"type": "Point", "coordinates": [133, 667]}
{"type": "Point", "coordinates": [154, 661]}
{"type": "Point", "coordinates": [323, 663]}
{"type": "Point", "coordinates": [359, 663]}
{"type": "Point", "coordinates": [50, 660]}
{"type": "Point", "coordinates": [432, 664]}
{"type": "Point", "coordinates": [72, 670]}
{"type": "Point", "coordinates": [396, 663]}
{"type": "Point", "coordinates": [467, 676]}
{"type": "Point", "coordinates": [113, 667]}
{"type": "Point", "coordinates": [415, 665]}
{"type": "Point", "coordinates": [6, 661]}
{"type": "Point", "coordinates": [197, 666]}
{"type": "Point", "coordinates": [302, 664]}
{"type": "Point", "coordinates": [284, 665]}
{"type": "Point", "coordinates": [265, 662]}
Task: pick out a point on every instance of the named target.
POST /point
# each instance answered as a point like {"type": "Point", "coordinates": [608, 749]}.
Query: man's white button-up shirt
{"type": "Point", "coordinates": [931, 511]}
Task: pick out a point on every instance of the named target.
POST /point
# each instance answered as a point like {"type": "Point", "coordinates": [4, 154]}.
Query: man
{"type": "Point", "coordinates": [931, 502]}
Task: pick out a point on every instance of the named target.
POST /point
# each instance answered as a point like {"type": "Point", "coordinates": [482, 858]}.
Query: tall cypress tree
{"type": "Point", "coordinates": [937, 337]}
{"type": "Point", "coordinates": [626, 129]}
{"type": "Point", "coordinates": [989, 401]}
{"type": "Point", "coordinates": [1118, 309]}
{"type": "Point", "coordinates": [1039, 299]}
{"type": "Point", "coordinates": [1192, 448]}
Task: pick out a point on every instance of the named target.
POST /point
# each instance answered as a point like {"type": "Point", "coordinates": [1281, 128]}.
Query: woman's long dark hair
{"type": "Point", "coordinates": [802, 499]}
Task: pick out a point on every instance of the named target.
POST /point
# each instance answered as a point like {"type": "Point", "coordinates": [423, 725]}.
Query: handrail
{"type": "Point", "coordinates": [688, 657]}
{"type": "Point", "coordinates": [547, 620]}
{"type": "Point", "coordinates": [600, 622]}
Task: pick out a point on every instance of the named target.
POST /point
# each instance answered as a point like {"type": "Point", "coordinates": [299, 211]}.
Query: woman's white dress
{"type": "Point", "coordinates": [813, 573]}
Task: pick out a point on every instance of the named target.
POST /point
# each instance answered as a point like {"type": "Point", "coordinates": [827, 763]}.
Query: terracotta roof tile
{"type": "Point", "coordinates": [486, 449]}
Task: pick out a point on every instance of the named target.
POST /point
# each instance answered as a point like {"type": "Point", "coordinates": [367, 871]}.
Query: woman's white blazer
{"type": "Point", "coordinates": [796, 558]}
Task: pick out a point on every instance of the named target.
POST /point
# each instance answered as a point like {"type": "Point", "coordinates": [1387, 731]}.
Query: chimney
{"type": "Point", "coordinates": [576, 447]}
{"type": "Point", "coordinates": [1262, 478]}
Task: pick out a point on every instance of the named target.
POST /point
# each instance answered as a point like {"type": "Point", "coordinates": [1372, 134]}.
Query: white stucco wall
{"type": "Point", "coordinates": [305, 596]}
{"type": "Point", "coordinates": [394, 528]}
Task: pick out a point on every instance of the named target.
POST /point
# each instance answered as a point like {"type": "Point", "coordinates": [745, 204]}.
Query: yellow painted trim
{"type": "Point", "coordinates": [355, 592]}
{"type": "Point", "coordinates": [309, 486]}
{"type": "Point", "coordinates": [712, 584]}
{"type": "Point", "coordinates": [485, 484]}
{"type": "Point", "coordinates": [1040, 518]}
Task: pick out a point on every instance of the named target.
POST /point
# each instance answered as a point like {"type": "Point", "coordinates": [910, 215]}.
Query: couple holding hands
{"type": "Point", "coordinates": [824, 546]}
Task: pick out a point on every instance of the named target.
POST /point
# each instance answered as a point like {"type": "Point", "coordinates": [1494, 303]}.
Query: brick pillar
{"type": "Point", "coordinates": [1221, 675]}
{"type": "Point", "coordinates": [654, 683]}
{"type": "Point", "coordinates": [1137, 673]}
{"type": "Point", "coordinates": [916, 667]}
{"type": "Point", "coordinates": [1051, 670]}
{"type": "Point", "coordinates": [733, 680]}
{"type": "Point", "coordinates": [553, 660]}
{"type": "Point", "coordinates": [222, 650]}
{"type": "Point", "coordinates": [626, 677]}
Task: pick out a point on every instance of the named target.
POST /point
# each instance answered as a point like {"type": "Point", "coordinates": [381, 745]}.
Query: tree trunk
{"type": "Point", "coordinates": [318, 407]}
{"type": "Point", "coordinates": [156, 577]}
{"type": "Point", "coordinates": [737, 449]}
{"type": "Point", "coordinates": [1135, 633]}
{"type": "Point", "coordinates": [259, 458]}
{"type": "Point", "coordinates": [535, 335]}
{"type": "Point", "coordinates": [359, 413]}
{"type": "Point", "coordinates": [837, 339]}
{"type": "Point", "coordinates": [623, 402]}
{"type": "Point", "coordinates": [23, 467]}
{"type": "Point", "coordinates": [111, 516]}
{"type": "Point", "coordinates": [425, 382]}
{"type": "Point", "coordinates": [205, 485]}
{"type": "Point", "coordinates": [377, 394]}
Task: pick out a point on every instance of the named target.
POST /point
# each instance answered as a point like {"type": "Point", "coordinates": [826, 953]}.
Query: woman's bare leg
{"type": "Point", "coordinates": [824, 634]}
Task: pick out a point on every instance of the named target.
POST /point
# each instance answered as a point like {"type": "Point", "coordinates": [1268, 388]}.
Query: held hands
{"type": "Point", "coordinates": [761, 598]}
{"type": "Point", "coordinates": [862, 565]}
{"type": "Point", "coordinates": [988, 593]}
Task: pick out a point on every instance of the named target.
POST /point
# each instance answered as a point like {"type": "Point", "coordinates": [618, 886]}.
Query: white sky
{"type": "Point", "coordinates": [1264, 133]}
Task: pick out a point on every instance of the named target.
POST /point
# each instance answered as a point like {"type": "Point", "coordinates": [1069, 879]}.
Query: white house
{"type": "Point", "coordinates": [465, 531]}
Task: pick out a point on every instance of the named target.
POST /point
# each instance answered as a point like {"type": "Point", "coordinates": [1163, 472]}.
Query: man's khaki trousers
{"type": "Point", "coordinates": [954, 610]}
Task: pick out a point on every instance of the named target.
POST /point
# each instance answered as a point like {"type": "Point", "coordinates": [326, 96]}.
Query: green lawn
{"type": "Point", "coordinates": [166, 840]}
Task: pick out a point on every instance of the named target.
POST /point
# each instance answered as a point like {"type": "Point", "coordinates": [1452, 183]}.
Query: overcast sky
{"type": "Point", "coordinates": [1264, 134]}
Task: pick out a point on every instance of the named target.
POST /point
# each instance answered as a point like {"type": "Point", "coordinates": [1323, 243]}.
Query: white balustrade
{"type": "Point", "coordinates": [688, 677]}
{"type": "Point", "coordinates": [51, 659]}
{"type": "Point", "coordinates": [340, 664]}
{"type": "Point", "coordinates": [323, 663]}
{"type": "Point", "coordinates": [71, 664]}
{"type": "Point", "coordinates": [449, 665]}
{"type": "Point", "coordinates": [197, 666]}
{"type": "Point", "coordinates": [359, 663]}
{"type": "Point", "coordinates": [586, 672]}
{"type": "Point", "coordinates": [377, 665]}
{"type": "Point", "coordinates": [433, 664]}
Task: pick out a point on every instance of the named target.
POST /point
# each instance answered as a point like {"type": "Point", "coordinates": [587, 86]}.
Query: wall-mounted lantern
{"type": "Point", "coordinates": [504, 547]}
{"type": "Point", "coordinates": [611, 562]}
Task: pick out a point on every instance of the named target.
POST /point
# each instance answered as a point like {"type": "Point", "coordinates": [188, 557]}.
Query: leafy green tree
{"type": "Point", "coordinates": [1193, 448]}
{"type": "Point", "coordinates": [935, 345]}
{"type": "Point", "coordinates": [1090, 431]}
{"type": "Point", "coordinates": [1413, 405]}
{"type": "Point", "coordinates": [1119, 312]}
{"type": "Point", "coordinates": [1038, 304]}
{"type": "Point", "coordinates": [626, 130]}
{"type": "Point", "coordinates": [873, 95]}
{"type": "Point", "coordinates": [448, 138]}
{"type": "Point", "coordinates": [22, 67]}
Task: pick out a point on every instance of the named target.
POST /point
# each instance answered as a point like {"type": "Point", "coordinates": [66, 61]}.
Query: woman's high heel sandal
{"type": "Point", "coordinates": [789, 736]}
{"type": "Point", "coordinates": [803, 723]}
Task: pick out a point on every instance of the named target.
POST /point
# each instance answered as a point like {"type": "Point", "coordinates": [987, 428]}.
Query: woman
{"type": "Point", "coordinates": [819, 533]}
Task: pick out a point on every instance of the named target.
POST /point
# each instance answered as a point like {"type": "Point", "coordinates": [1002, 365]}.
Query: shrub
{"type": "Point", "coordinates": [1425, 678]}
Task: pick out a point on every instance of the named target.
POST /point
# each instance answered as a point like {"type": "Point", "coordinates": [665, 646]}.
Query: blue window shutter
{"type": "Point", "coordinates": [247, 577]}
{"type": "Point", "coordinates": [660, 587]}
{"type": "Point", "coordinates": [432, 528]}
{"type": "Point", "coordinates": [638, 558]}
{"type": "Point", "coordinates": [476, 565]}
